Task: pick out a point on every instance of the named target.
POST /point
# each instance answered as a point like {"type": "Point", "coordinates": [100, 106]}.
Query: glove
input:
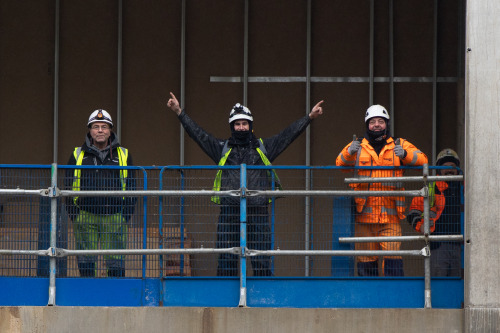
{"type": "Point", "coordinates": [413, 218]}
{"type": "Point", "coordinates": [400, 152]}
{"type": "Point", "coordinates": [354, 147]}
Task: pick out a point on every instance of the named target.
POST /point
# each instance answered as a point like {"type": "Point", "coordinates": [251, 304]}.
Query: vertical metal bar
{"type": "Point", "coordinates": [391, 66]}
{"type": "Point", "coordinates": [427, 260]}
{"type": "Point", "coordinates": [118, 128]}
{"type": "Point", "coordinates": [460, 79]}
{"type": "Point", "coordinates": [460, 44]}
{"type": "Point", "coordinates": [243, 236]}
{"type": "Point", "coordinates": [273, 218]}
{"type": "Point", "coordinates": [434, 83]}
{"type": "Point", "coordinates": [161, 238]}
{"type": "Point", "coordinates": [182, 221]}
{"type": "Point", "coordinates": [56, 83]}
{"type": "Point", "coordinates": [308, 81]}
{"type": "Point", "coordinates": [182, 132]}
{"type": "Point", "coordinates": [53, 236]}
{"type": "Point", "coordinates": [183, 77]}
{"type": "Point", "coordinates": [144, 224]}
{"type": "Point", "coordinates": [160, 227]}
{"type": "Point", "coordinates": [308, 140]}
{"type": "Point", "coordinates": [372, 46]}
{"type": "Point", "coordinates": [245, 57]}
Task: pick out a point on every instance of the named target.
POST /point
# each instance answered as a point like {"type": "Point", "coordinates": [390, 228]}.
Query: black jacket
{"type": "Point", "coordinates": [256, 179]}
{"type": "Point", "coordinates": [101, 179]}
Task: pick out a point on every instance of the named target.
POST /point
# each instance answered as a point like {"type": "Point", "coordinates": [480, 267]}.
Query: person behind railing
{"type": "Point", "coordinates": [445, 216]}
{"type": "Point", "coordinates": [100, 219]}
{"type": "Point", "coordinates": [243, 147]}
{"type": "Point", "coordinates": [379, 216]}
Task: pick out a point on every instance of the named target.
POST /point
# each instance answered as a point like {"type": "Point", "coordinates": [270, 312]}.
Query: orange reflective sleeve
{"type": "Point", "coordinates": [414, 156]}
{"type": "Point", "coordinates": [344, 159]}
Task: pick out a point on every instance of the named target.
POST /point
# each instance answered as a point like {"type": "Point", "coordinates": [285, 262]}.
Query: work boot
{"type": "Point", "coordinates": [369, 268]}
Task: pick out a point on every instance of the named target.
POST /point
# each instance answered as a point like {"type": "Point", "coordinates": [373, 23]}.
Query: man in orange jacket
{"type": "Point", "coordinates": [445, 216]}
{"type": "Point", "coordinates": [379, 216]}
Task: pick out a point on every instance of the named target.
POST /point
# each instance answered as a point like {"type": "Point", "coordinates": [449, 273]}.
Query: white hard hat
{"type": "Point", "coordinates": [448, 155]}
{"type": "Point", "coordinates": [376, 111]}
{"type": "Point", "coordinates": [100, 115]}
{"type": "Point", "coordinates": [240, 112]}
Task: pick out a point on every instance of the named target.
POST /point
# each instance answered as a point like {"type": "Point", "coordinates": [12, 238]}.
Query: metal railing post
{"type": "Point", "coordinates": [243, 236]}
{"type": "Point", "coordinates": [53, 236]}
{"type": "Point", "coordinates": [427, 259]}
{"type": "Point", "coordinates": [182, 222]}
{"type": "Point", "coordinates": [160, 225]}
{"type": "Point", "coordinates": [273, 218]}
{"type": "Point", "coordinates": [145, 225]}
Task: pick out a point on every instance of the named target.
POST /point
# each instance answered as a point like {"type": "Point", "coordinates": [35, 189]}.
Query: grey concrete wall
{"type": "Point", "coordinates": [482, 296]}
{"type": "Point", "coordinates": [221, 320]}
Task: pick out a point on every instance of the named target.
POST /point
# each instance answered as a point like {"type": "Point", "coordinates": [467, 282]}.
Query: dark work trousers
{"type": "Point", "coordinates": [446, 259]}
{"type": "Point", "coordinates": [258, 238]}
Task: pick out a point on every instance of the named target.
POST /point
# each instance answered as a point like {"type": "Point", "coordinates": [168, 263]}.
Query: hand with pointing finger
{"type": "Point", "coordinates": [316, 111]}
{"type": "Point", "coordinates": [173, 104]}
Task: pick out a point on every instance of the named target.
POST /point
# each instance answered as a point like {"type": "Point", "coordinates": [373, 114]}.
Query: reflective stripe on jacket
{"type": "Point", "coordinates": [78, 153]}
{"type": "Point", "coordinates": [380, 209]}
{"type": "Point", "coordinates": [225, 153]}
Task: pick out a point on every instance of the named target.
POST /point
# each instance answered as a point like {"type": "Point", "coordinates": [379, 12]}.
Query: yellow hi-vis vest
{"type": "Point", "coordinates": [78, 154]}
{"type": "Point", "coordinates": [432, 194]}
{"type": "Point", "coordinates": [225, 153]}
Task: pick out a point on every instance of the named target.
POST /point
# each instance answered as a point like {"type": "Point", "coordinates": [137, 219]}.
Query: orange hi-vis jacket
{"type": "Point", "coordinates": [380, 209]}
{"type": "Point", "coordinates": [437, 204]}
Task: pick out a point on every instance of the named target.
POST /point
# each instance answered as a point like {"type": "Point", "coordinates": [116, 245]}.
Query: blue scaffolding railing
{"type": "Point", "coordinates": [295, 291]}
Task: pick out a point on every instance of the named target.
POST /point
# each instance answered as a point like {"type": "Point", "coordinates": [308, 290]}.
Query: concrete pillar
{"type": "Point", "coordinates": [482, 181]}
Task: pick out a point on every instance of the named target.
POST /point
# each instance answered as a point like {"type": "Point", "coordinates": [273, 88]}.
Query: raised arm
{"type": "Point", "coordinates": [207, 142]}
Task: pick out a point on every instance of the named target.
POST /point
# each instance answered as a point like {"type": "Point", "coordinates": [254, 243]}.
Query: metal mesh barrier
{"type": "Point", "coordinates": [175, 211]}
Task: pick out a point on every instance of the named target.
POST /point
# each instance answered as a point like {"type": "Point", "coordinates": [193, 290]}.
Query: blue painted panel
{"type": "Point", "coordinates": [107, 292]}
{"type": "Point", "coordinates": [353, 293]}
{"type": "Point", "coordinates": [447, 293]}
{"type": "Point", "coordinates": [314, 292]}
{"type": "Point", "coordinates": [337, 293]}
{"type": "Point", "coordinates": [24, 291]}
{"type": "Point", "coordinates": [80, 292]}
{"type": "Point", "coordinates": [224, 292]}
{"type": "Point", "coordinates": [213, 292]}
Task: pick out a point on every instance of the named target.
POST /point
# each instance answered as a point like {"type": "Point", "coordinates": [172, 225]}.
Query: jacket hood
{"type": "Point", "coordinates": [90, 148]}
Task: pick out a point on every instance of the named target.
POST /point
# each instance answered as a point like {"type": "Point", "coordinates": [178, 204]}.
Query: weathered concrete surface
{"type": "Point", "coordinates": [222, 320]}
{"type": "Point", "coordinates": [482, 320]}
{"type": "Point", "coordinates": [482, 252]}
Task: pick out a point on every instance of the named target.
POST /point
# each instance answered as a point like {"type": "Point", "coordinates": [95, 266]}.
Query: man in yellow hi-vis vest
{"type": "Point", "coordinates": [100, 220]}
{"type": "Point", "coordinates": [243, 148]}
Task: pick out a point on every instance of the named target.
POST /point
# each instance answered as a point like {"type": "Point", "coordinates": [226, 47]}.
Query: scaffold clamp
{"type": "Point", "coordinates": [51, 192]}
{"type": "Point", "coordinates": [425, 252]}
